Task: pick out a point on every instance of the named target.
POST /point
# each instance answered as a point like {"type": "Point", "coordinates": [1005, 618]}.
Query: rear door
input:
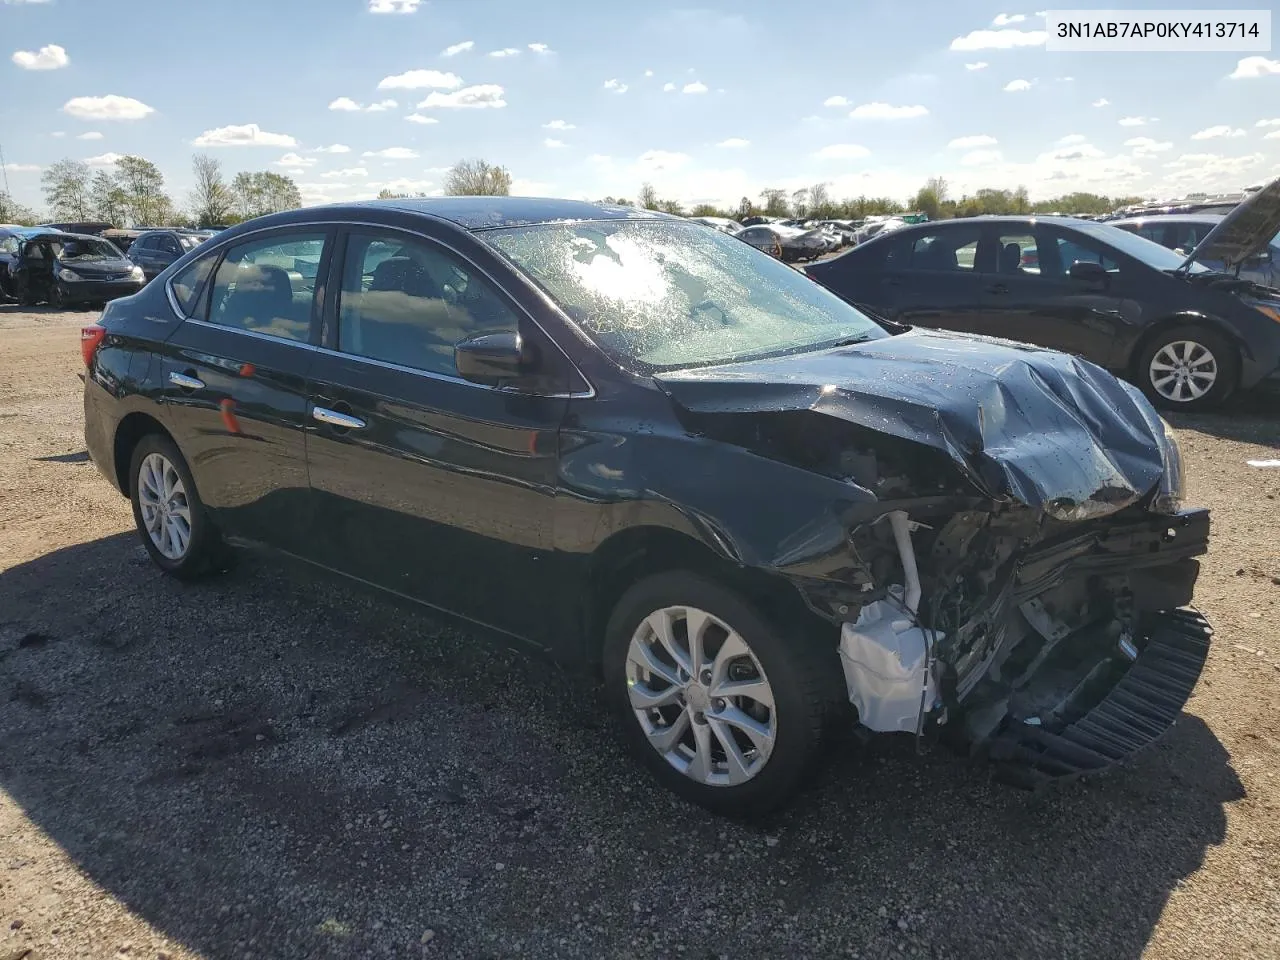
{"type": "Point", "coordinates": [1032, 297]}
{"type": "Point", "coordinates": [426, 484]}
{"type": "Point", "coordinates": [234, 379]}
{"type": "Point", "coordinates": [934, 277]}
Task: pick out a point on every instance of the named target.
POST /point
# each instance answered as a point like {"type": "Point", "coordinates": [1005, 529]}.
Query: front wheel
{"type": "Point", "coordinates": [711, 698]}
{"type": "Point", "coordinates": [1188, 368]}
{"type": "Point", "coordinates": [173, 523]}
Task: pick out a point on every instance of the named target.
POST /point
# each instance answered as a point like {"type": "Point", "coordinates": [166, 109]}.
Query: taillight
{"type": "Point", "coordinates": [91, 338]}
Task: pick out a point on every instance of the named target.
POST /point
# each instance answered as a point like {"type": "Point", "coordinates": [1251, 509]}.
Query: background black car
{"type": "Point", "coordinates": [661, 455]}
{"type": "Point", "coordinates": [154, 250]}
{"type": "Point", "coordinates": [1188, 336]}
{"type": "Point", "coordinates": [62, 269]}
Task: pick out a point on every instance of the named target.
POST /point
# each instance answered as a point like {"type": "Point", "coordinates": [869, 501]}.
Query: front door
{"type": "Point", "coordinates": [1032, 297]}
{"type": "Point", "coordinates": [425, 484]}
{"type": "Point", "coordinates": [235, 384]}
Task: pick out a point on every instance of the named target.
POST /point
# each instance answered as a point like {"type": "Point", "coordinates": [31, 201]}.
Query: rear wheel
{"type": "Point", "coordinates": [711, 698]}
{"type": "Point", "coordinates": [172, 521]}
{"type": "Point", "coordinates": [1188, 368]}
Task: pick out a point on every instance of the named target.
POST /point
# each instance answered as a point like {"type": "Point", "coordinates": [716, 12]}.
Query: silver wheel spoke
{"type": "Point", "coordinates": [646, 698]}
{"type": "Point", "coordinates": [664, 739]}
{"type": "Point", "coordinates": [757, 690]}
{"type": "Point", "coordinates": [660, 623]}
{"type": "Point", "coordinates": [736, 762]}
{"type": "Point", "coordinates": [732, 648]}
{"type": "Point", "coordinates": [696, 623]}
{"type": "Point", "coordinates": [642, 655]}
{"type": "Point", "coordinates": [760, 736]}
{"type": "Point", "coordinates": [700, 766]}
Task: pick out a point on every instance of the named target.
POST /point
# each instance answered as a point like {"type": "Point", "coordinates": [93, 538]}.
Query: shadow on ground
{"type": "Point", "coordinates": [258, 764]}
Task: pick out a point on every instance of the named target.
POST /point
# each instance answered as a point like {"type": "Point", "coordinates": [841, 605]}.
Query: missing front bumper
{"type": "Point", "coordinates": [1134, 713]}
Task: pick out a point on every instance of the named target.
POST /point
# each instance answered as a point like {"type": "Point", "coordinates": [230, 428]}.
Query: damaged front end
{"type": "Point", "coordinates": [1014, 568]}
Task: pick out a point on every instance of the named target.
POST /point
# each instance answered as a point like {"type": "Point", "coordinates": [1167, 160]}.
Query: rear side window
{"type": "Point", "coordinates": [408, 302]}
{"type": "Point", "coordinates": [142, 244]}
{"type": "Point", "coordinates": [268, 286]}
{"type": "Point", "coordinates": [187, 285]}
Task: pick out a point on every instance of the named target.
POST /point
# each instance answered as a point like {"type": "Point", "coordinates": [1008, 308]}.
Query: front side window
{"type": "Point", "coordinates": [1017, 254]}
{"type": "Point", "coordinates": [408, 302]}
{"type": "Point", "coordinates": [170, 245]}
{"type": "Point", "coordinates": [1078, 250]}
{"type": "Point", "coordinates": [268, 286]}
{"type": "Point", "coordinates": [143, 244]}
{"type": "Point", "coordinates": [661, 295]}
{"type": "Point", "coordinates": [9, 245]}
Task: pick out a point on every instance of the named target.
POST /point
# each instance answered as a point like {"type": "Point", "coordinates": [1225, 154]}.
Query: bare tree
{"type": "Point", "coordinates": [648, 197]}
{"type": "Point", "coordinates": [775, 201]}
{"type": "Point", "coordinates": [210, 198]}
{"type": "Point", "coordinates": [800, 201]}
{"type": "Point", "coordinates": [820, 204]}
{"type": "Point", "coordinates": [477, 178]}
{"type": "Point", "coordinates": [66, 190]}
{"type": "Point", "coordinates": [11, 211]}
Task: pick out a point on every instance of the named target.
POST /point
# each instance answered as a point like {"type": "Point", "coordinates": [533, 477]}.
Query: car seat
{"type": "Point", "coordinates": [1011, 258]}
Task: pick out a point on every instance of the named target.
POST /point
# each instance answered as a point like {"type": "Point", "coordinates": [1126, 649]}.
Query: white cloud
{"type": "Point", "coordinates": [91, 135]}
{"type": "Point", "coordinates": [1005, 19]}
{"type": "Point", "coordinates": [968, 143]}
{"type": "Point", "coordinates": [58, 133]}
{"type": "Point", "coordinates": [1273, 135]}
{"type": "Point", "coordinates": [51, 57]}
{"type": "Point", "coordinates": [23, 167]}
{"type": "Point", "coordinates": [979, 65]}
{"type": "Point", "coordinates": [1203, 168]}
{"type": "Point", "coordinates": [696, 87]}
{"type": "Point", "coordinates": [246, 135]}
{"type": "Point", "coordinates": [456, 48]}
{"type": "Point", "coordinates": [344, 103]}
{"type": "Point", "coordinates": [1251, 67]}
{"type": "Point", "coordinates": [1268, 123]}
{"type": "Point", "coordinates": [478, 97]}
{"type": "Point", "coordinates": [110, 107]}
{"type": "Point", "coordinates": [104, 160]}
{"type": "Point", "coordinates": [1136, 121]}
{"type": "Point", "coordinates": [999, 39]}
{"type": "Point", "coordinates": [333, 148]}
{"type": "Point", "coordinates": [667, 87]}
{"type": "Point", "coordinates": [505, 52]}
{"type": "Point", "coordinates": [1220, 132]}
{"type": "Point", "coordinates": [393, 153]}
{"type": "Point", "coordinates": [420, 80]}
{"type": "Point", "coordinates": [836, 101]}
{"type": "Point", "coordinates": [553, 143]}
{"type": "Point", "coordinates": [346, 173]}
{"type": "Point", "coordinates": [1065, 79]}
{"type": "Point", "coordinates": [885, 111]}
{"type": "Point", "coordinates": [656, 160]}
{"type": "Point", "coordinates": [294, 160]}
{"type": "Point", "coordinates": [981, 158]}
{"type": "Point", "coordinates": [540, 48]}
{"type": "Point", "coordinates": [648, 73]}
{"type": "Point", "coordinates": [382, 106]}
{"type": "Point", "coordinates": [1017, 86]}
{"type": "Point", "coordinates": [615, 85]}
{"type": "Point", "coordinates": [531, 188]}
{"type": "Point", "coordinates": [1102, 102]}
{"type": "Point", "coordinates": [558, 125]}
{"type": "Point", "coordinates": [843, 151]}
{"type": "Point", "coordinates": [1071, 138]}
{"type": "Point", "coordinates": [1082, 151]}
{"type": "Point", "coordinates": [394, 6]}
{"type": "Point", "coordinates": [419, 118]}
{"type": "Point", "coordinates": [1146, 146]}
{"type": "Point", "coordinates": [734, 143]}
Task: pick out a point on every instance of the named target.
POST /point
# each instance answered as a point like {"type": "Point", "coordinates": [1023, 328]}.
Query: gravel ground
{"type": "Point", "coordinates": [266, 766]}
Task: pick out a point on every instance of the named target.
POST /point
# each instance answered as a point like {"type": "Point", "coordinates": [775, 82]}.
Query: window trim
{"type": "Point", "coordinates": [340, 229]}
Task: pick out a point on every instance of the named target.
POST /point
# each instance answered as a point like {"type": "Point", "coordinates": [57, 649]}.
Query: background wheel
{"type": "Point", "coordinates": [1188, 368]}
{"type": "Point", "coordinates": [172, 522]}
{"type": "Point", "coordinates": [722, 707]}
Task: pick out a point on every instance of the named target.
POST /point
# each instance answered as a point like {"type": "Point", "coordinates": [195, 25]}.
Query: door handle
{"type": "Point", "coordinates": [335, 419]}
{"type": "Point", "coordinates": [185, 381]}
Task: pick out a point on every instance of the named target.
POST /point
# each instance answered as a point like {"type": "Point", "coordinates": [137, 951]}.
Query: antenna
{"type": "Point", "coordinates": [4, 170]}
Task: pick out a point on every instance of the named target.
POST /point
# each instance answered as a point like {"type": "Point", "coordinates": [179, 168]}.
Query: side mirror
{"type": "Point", "coordinates": [1087, 271]}
{"type": "Point", "coordinates": [490, 358]}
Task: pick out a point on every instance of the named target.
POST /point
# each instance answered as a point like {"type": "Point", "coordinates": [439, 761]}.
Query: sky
{"type": "Point", "coordinates": [591, 99]}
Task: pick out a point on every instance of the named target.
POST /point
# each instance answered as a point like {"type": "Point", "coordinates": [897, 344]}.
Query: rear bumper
{"type": "Point", "coordinates": [1133, 714]}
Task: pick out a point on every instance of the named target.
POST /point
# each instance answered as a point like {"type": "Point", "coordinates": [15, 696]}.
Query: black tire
{"type": "Point", "coordinates": [797, 671]}
{"type": "Point", "coordinates": [205, 552]}
{"type": "Point", "coordinates": [1224, 354]}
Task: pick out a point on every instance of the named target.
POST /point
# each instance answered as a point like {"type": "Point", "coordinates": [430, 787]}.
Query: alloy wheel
{"type": "Point", "coordinates": [1183, 370]}
{"type": "Point", "coordinates": [701, 696]}
{"type": "Point", "coordinates": [166, 512]}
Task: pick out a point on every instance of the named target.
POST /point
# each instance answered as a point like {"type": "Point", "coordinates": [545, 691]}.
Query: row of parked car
{"type": "Point", "coordinates": [74, 264]}
{"type": "Point", "coordinates": [794, 240]}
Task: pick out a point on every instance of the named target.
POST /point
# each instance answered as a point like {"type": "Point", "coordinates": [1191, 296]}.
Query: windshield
{"type": "Point", "coordinates": [1140, 248]}
{"type": "Point", "coordinates": [87, 248]}
{"type": "Point", "coordinates": [657, 295]}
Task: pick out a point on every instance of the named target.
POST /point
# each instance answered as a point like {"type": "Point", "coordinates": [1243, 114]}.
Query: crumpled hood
{"type": "Point", "coordinates": [1052, 431]}
{"type": "Point", "coordinates": [1244, 232]}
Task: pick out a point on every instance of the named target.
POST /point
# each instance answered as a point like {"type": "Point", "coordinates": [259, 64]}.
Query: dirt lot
{"type": "Point", "coordinates": [263, 766]}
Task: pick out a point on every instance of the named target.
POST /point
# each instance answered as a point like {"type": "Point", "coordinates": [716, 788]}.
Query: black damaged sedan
{"type": "Point", "coordinates": [664, 457]}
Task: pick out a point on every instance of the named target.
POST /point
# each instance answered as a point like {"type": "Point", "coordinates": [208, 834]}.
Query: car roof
{"type": "Point", "coordinates": [489, 213]}
{"type": "Point", "coordinates": [1208, 218]}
